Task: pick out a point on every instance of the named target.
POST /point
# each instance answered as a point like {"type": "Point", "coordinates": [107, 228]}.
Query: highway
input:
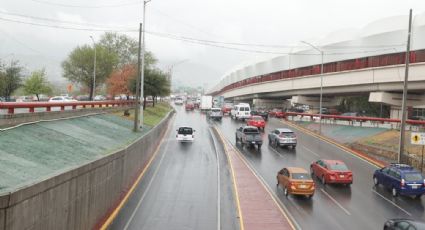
{"type": "Point", "coordinates": [186, 187]}
{"type": "Point", "coordinates": [360, 206]}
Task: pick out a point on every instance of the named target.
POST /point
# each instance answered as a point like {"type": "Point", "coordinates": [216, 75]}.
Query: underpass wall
{"type": "Point", "coordinates": [80, 198]}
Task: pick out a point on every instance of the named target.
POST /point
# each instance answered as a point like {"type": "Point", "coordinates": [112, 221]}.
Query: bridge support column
{"type": "Point", "coordinates": [395, 100]}
{"type": "Point", "coordinates": [271, 103]}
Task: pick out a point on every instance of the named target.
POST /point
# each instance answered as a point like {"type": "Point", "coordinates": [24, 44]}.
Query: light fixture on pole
{"type": "Point", "coordinates": [93, 92]}
{"type": "Point", "coordinates": [321, 84]}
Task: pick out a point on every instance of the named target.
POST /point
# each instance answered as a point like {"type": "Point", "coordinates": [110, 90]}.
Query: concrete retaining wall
{"type": "Point", "coordinates": [7, 120]}
{"type": "Point", "coordinates": [82, 197]}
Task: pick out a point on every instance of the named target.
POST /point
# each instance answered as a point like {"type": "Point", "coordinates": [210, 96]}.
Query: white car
{"type": "Point", "coordinates": [61, 99]}
{"type": "Point", "coordinates": [178, 101]}
{"type": "Point", "coordinates": [99, 98]}
{"type": "Point", "coordinates": [185, 134]}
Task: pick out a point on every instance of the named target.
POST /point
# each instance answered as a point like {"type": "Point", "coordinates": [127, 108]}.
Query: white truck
{"type": "Point", "coordinates": [206, 103]}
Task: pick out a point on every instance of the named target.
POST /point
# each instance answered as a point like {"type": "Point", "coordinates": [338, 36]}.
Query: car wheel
{"type": "Point", "coordinates": [375, 181]}
{"type": "Point", "coordinates": [394, 192]}
{"type": "Point", "coordinates": [418, 196]}
{"type": "Point", "coordinates": [270, 142]}
{"type": "Point", "coordinates": [242, 144]}
{"type": "Point", "coordinates": [285, 191]}
{"type": "Point", "coordinates": [259, 145]}
{"type": "Point", "coordinates": [311, 172]}
{"type": "Point", "coordinates": [275, 144]}
{"type": "Point", "coordinates": [309, 196]}
{"type": "Point", "coordinates": [236, 140]}
{"type": "Point", "coordinates": [323, 180]}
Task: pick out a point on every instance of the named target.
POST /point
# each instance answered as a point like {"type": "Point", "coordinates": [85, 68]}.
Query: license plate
{"type": "Point", "coordinates": [341, 176]}
{"type": "Point", "coordinates": [253, 142]}
{"type": "Point", "coordinates": [415, 186]}
{"type": "Point", "coordinates": [302, 186]}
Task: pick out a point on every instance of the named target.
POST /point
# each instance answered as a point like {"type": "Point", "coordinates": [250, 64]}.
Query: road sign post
{"type": "Point", "coordinates": [418, 139]}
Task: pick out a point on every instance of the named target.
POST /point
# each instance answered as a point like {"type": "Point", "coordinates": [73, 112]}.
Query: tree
{"type": "Point", "coordinates": [10, 79]}
{"type": "Point", "coordinates": [78, 67]}
{"type": "Point", "coordinates": [125, 48]}
{"type": "Point", "coordinates": [156, 84]}
{"type": "Point", "coordinates": [118, 81]}
{"type": "Point", "coordinates": [37, 84]}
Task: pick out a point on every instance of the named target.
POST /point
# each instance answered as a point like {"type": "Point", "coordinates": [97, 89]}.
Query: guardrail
{"type": "Point", "coordinates": [31, 106]}
{"type": "Point", "coordinates": [354, 118]}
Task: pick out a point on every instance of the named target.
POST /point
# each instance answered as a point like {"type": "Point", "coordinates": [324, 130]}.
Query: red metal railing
{"type": "Point", "coordinates": [354, 118]}
{"type": "Point", "coordinates": [31, 106]}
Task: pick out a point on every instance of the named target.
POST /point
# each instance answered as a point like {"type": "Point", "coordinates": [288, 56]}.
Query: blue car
{"type": "Point", "coordinates": [401, 179]}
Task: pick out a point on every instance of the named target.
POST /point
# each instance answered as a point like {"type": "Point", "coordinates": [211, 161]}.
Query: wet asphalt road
{"type": "Point", "coordinates": [360, 206]}
{"type": "Point", "coordinates": [186, 187]}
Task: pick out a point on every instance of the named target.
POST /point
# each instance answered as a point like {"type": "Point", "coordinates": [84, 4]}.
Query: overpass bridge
{"type": "Point", "coordinates": [368, 62]}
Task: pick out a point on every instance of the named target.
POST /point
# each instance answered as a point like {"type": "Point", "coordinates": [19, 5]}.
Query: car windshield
{"type": "Point", "coordinates": [413, 177]}
{"type": "Point", "coordinates": [250, 130]}
{"type": "Point", "coordinates": [301, 176]}
{"type": "Point", "coordinates": [216, 110]}
{"type": "Point", "coordinates": [185, 131]}
{"type": "Point", "coordinates": [288, 134]}
{"type": "Point", "coordinates": [338, 167]}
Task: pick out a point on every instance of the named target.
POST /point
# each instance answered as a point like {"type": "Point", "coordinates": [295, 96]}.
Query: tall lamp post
{"type": "Point", "coordinates": [172, 66]}
{"type": "Point", "coordinates": [142, 74]}
{"type": "Point", "coordinates": [321, 84]}
{"type": "Point", "coordinates": [94, 71]}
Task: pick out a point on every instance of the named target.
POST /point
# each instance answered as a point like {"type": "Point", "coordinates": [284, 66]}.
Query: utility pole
{"type": "Point", "coordinates": [94, 71]}
{"type": "Point", "coordinates": [138, 103]}
{"type": "Point", "coordinates": [405, 88]}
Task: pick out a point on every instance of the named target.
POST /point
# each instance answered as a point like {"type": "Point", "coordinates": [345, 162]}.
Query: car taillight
{"type": "Point", "coordinates": [424, 182]}
{"type": "Point", "coordinates": [402, 183]}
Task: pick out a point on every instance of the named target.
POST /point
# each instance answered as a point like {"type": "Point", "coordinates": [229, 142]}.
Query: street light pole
{"type": "Point", "coordinates": [321, 84]}
{"type": "Point", "coordinates": [142, 74]}
{"type": "Point", "coordinates": [94, 71]}
{"type": "Point", "coordinates": [171, 69]}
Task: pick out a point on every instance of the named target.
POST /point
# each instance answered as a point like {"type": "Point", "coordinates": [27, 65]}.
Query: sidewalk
{"type": "Point", "coordinates": [257, 208]}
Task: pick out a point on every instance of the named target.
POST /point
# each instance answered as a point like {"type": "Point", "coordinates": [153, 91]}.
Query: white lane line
{"type": "Point", "coordinates": [383, 197]}
{"type": "Point", "coordinates": [336, 202]}
{"type": "Point", "coordinates": [311, 151]}
{"type": "Point", "coordinates": [218, 182]}
{"type": "Point", "coordinates": [147, 188]}
{"type": "Point", "coordinates": [277, 152]}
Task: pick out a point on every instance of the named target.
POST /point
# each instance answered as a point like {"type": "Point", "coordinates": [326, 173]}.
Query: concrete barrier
{"type": "Point", "coordinates": [80, 198]}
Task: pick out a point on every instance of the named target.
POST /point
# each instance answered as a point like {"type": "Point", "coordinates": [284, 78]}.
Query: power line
{"type": "Point", "coordinates": [87, 6]}
{"type": "Point", "coordinates": [185, 39]}
{"type": "Point", "coordinates": [66, 27]}
{"type": "Point", "coordinates": [55, 20]}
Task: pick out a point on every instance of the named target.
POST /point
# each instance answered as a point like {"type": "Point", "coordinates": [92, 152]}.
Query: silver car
{"type": "Point", "coordinates": [282, 137]}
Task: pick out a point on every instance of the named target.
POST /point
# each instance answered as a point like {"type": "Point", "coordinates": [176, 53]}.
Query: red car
{"type": "Point", "coordinates": [226, 109]}
{"type": "Point", "coordinates": [331, 172]}
{"type": "Point", "coordinates": [256, 121]}
{"type": "Point", "coordinates": [278, 113]}
{"type": "Point", "coordinates": [189, 106]}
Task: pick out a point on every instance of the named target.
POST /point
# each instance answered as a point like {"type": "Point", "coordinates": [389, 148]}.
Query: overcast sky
{"type": "Point", "coordinates": [269, 22]}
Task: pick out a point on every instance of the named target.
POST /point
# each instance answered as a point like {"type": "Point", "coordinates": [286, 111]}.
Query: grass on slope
{"type": "Point", "coordinates": [152, 115]}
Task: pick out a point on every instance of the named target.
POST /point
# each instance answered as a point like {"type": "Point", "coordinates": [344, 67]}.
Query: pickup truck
{"type": "Point", "coordinates": [249, 135]}
{"type": "Point", "coordinates": [215, 114]}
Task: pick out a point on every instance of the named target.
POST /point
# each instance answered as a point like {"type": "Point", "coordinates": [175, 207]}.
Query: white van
{"type": "Point", "coordinates": [241, 111]}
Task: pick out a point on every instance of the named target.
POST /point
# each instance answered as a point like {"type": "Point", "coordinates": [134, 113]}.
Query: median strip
{"type": "Point", "coordinates": [257, 207]}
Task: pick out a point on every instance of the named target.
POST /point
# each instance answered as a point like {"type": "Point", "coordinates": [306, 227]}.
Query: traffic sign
{"type": "Point", "coordinates": [417, 138]}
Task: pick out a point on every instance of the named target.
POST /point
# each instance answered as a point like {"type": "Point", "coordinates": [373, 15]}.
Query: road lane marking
{"type": "Point", "coordinates": [383, 197]}
{"type": "Point", "coordinates": [279, 204]}
{"type": "Point", "coordinates": [336, 202]}
{"type": "Point", "coordinates": [316, 154]}
{"type": "Point", "coordinates": [114, 214]}
{"type": "Point", "coordinates": [277, 152]}
{"type": "Point", "coordinates": [235, 188]}
{"type": "Point", "coordinates": [218, 183]}
{"type": "Point", "coordinates": [147, 188]}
